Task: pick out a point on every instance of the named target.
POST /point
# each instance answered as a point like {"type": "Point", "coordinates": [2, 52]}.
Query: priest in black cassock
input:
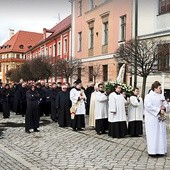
{"type": "Point", "coordinates": [5, 101]}
{"type": "Point", "coordinates": [89, 90]}
{"type": "Point", "coordinates": [32, 115]}
{"type": "Point", "coordinates": [63, 104]}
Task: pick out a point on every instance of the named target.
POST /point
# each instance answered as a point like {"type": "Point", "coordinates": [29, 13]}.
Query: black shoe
{"type": "Point", "coordinates": [160, 155]}
{"type": "Point", "coordinates": [36, 130]}
{"type": "Point", "coordinates": [75, 130]}
{"type": "Point", "coordinates": [6, 117]}
{"type": "Point", "coordinates": [153, 155]}
{"type": "Point", "coordinates": [104, 133]}
{"type": "Point", "coordinates": [27, 131]}
{"type": "Point", "coordinates": [80, 129]}
{"type": "Point", "coordinates": [99, 133]}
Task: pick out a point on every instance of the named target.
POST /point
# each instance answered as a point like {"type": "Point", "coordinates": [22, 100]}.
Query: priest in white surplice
{"type": "Point", "coordinates": [135, 114]}
{"type": "Point", "coordinates": [77, 96]}
{"type": "Point", "coordinates": [155, 107]}
{"type": "Point", "coordinates": [117, 114]}
{"type": "Point", "coordinates": [101, 110]}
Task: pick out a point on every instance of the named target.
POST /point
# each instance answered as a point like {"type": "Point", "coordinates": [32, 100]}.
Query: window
{"type": "Point", "coordinates": [54, 50]}
{"type": "Point", "coordinates": [80, 7]}
{"type": "Point", "coordinates": [65, 46]}
{"type": "Point", "coordinates": [123, 28]}
{"type": "Point", "coordinates": [7, 67]}
{"type": "Point", "coordinates": [164, 57]}
{"type": "Point", "coordinates": [21, 46]}
{"type": "Point", "coordinates": [91, 4]}
{"type": "Point", "coordinates": [105, 33]}
{"type": "Point", "coordinates": [90, 73]}
{"type": "Point", "coordinates": [46, 51]}
{"type": "Point", "coordinates": [91, 37]}
{"type": "Point", "coordinates": [105, 72]}
{"type": "Point", "coordinates": [79, 73]}
{"type": "Point", "coordinates": [17, 56]}
{"type": "Point", "coordinates": [50, 51]}
{"type": "Point", "coordinates": [30, 46]}
{"type": "Point", "coordinates": [59, 49]}
{"type": "Point", "coordinates": [79, 41]}
{"type": "Point", "coordinates": [164, 6]}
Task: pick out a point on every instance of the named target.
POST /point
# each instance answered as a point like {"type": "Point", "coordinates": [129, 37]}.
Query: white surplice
{"type": "Point", "coordinates": [117, 106]}
{"type": "Point", "coordinates": [135, 109]}
{"type": "Point", "coordinates": [101, 106]}
{"type": "Point", "coordinates": [155, 130]}
{"type": "Point", "coordinates": [74, 96]}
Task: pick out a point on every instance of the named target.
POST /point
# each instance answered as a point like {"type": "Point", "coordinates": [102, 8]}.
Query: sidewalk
{"type": "Point", "coordinates": [60, 148]}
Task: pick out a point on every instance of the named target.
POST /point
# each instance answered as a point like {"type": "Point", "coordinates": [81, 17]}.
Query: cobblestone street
{"type": "Point", "coordinates": [56, 148]}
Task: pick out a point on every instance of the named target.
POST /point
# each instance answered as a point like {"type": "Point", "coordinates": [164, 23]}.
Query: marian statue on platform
{"type": "Point", "coordinates": [121, 74]}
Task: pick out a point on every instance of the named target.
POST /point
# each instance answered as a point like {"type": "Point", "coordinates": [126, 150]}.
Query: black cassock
{"type": "Point", "coordinates": [32, 115]}
{"type": "Point", "coordinates": [63, 104]}
{"type": "Point", "coordinates": [88, 93]}
{"type": "Point", "coordinates": [6, 103]}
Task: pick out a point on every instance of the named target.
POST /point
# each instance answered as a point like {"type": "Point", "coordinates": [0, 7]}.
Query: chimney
{"type": "Point", "coordinates": [44, 33]}
{"type": "Point", "coordinates": [11, 33]}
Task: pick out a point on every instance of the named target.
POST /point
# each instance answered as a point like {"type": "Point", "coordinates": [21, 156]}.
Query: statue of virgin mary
{"type": "Point", "coordinates": [121, 74]}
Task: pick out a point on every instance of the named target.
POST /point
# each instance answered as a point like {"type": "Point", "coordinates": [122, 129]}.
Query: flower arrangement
{"type": "Point", "coordinates": [126, 88]}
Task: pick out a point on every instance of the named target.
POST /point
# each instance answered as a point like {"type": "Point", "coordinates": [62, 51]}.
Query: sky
{"type": "Point", "coordinates": [31, 15]}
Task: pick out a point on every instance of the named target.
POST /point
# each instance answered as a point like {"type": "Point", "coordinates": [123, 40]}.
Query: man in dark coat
{"type": "Point", "coordinates": [54, 93]}
{"type": "Point", "coordinates": [63, 104]}
{"type": "Point", "coordinates": [89, 90]}
{"type": "Point", "coordinates": [22, 98]}
{"type": "Point", "coordinates": [6, 101]}
{"type": "Point", "coordinates": [41, 99]}
{"type": "Point", "coordinates": [47, 104]}
{"type": "Point", "coordinates": [32, 115]}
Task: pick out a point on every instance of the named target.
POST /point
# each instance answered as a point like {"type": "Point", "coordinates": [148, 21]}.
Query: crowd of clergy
{"type": "Point", "coordinates": [111, 113]}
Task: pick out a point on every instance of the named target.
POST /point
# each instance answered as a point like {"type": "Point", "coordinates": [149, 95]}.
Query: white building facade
{"type": "Point", "coordinates": [153, 22]}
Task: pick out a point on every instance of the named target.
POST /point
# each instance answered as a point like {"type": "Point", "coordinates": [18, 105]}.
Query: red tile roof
{"type": "Point", "coordinates": [56, 30]}
{"type": "Point", "coordinates": [21, 42]}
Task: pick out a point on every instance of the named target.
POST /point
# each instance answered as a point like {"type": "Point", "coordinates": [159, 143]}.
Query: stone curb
{"type": "Point", "coordinates": [18, 158]}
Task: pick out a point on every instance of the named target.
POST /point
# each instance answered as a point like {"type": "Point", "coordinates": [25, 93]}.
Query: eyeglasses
{"type": "Point", "coordinates": [64, 88]}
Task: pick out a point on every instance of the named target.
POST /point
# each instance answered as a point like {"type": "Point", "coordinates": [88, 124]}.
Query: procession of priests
{"type": "Point", "coordinates": [121, 117]}
{"type": "Point", "coordinates": [112, 113]}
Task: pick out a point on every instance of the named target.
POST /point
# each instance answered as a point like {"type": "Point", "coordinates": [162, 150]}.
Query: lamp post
{"type": "Point", "coordinates": [71, 45]}
{"type": "Point", "coordinates": [136, 34]}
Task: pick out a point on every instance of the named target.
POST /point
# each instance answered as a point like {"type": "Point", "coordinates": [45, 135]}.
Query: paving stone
{"type": "Point", "coordinates": [61, 148]}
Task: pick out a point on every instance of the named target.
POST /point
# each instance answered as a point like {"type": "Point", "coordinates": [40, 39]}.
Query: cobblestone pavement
{"type": "Point", "coordinates": [56, 148]}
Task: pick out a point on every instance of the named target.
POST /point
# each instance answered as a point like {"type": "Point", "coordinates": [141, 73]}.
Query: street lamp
{"type": "Point", "coordinates": [136, 34]}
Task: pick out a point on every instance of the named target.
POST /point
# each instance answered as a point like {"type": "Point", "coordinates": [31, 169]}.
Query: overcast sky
{"type": "Point", "coordinates": [31, 15]}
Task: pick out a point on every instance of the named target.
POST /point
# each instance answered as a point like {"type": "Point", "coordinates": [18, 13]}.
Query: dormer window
{"type": "Point", "coordinates": [30, 46]}
{"type": "Point", "coordinates": [21, 46]}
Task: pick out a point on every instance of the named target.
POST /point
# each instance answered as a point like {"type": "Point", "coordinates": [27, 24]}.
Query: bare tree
{"type": "Point", "coordinates": [40, 69]}
{"type": "Point", "coordinates": [14, 74]}
{"type": "Point", "coordinates": [66, 68]}
{"type": "Point", "coordinates": [142, 54]}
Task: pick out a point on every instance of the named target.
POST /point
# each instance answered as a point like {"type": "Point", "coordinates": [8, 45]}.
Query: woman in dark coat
{"type": "Point", "coordinates": [6, 101]}
{"type": "Point", "coordinates": [32, 115]}
{"type": "Point", "coordinates": [63, 104]}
